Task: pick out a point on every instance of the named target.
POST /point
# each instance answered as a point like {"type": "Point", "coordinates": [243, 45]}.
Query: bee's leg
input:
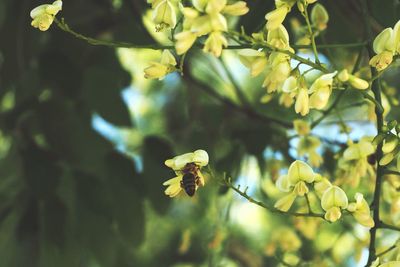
{"type": "Point", "coordinates": [197, 181]}
{"type": "Point", "coordinates": [182, 185]}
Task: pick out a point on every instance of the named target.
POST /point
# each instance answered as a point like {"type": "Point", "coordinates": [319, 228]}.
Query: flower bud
{"type": "Point", "coordinates": [343, 76]}
{"type": "Point", "coordinates": [237, 9]}
{"type": "Point", "coordinates": [319, 17]}
{"type": "Point", "coordinates": [358, 83]}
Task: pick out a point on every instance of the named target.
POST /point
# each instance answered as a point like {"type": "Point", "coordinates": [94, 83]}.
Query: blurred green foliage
{"type": "Point", "coordinates": [69, 197]}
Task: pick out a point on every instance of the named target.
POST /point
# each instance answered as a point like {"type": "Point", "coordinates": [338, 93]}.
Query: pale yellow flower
{"type": "Point", "coordinates": [299, 174]}
{"type": "Point", "coordinates": [164, 15]}
{"type": "Point", "coordinates": [278, 37]}
{"type": "Point", "coordinates": [321, 90]}
{"type": "Point", "coordinates": [361, 212]}
{"type": "Point", "coordinates": [276, 17]}
{"type": "Point", "coordinates": [214, 44]}
{"type": "Point", "coordinates": [43, 15]}
{"type": "Point", "coordinates": [386, 45]}
{"type": "Point", "coordinates": [278, 70]}
{"type": "Point", "coordinates": [333, 200]}
{"type": "Point", "coordinates": [158, 70]}
{"type": "Point", "coordinates": [181, 165]}
{"type": "Point", "coordinates": [255, 60]}
{"type": "Point", "coordinates": [296, 87]}
{"type": "Point", "coordinates": [184, 41]}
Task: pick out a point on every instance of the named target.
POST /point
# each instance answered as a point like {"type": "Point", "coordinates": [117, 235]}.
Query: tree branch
{"type": "Point", "coordinates": [375, 85]}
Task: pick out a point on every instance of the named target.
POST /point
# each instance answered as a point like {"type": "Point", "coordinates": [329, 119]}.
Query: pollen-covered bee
{"type": "Point", "coordinates": [191, 179]}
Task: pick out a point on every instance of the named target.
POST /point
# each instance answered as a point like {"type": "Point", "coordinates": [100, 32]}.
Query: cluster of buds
{"type": "Point", "coordinates": [386, 45]}
{"type": "Point", "coordinates": [390, 137]}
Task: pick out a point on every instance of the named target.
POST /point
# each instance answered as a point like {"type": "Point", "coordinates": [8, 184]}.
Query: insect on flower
{"type": "Point", "coordinates": [187, 168]}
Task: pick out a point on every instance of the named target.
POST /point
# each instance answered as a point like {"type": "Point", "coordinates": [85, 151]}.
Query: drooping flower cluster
{"type": "Point", "coordinates": [183, 164]}
{"type": "Point", "coordinates": [43, 15]}
{"type": "Point", "coordinates": [333, 199]}
{"type": "Point", "coordinates": [207, 18]}
{"type": "Point", "coordinates": [386, 45]}
{"type": "Point", "coordinates": [157, 70]}
{"type": "Point", "coordinates": [390, 139]}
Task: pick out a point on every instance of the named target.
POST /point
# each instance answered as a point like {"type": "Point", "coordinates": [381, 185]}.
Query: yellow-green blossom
{"type": "Point", "coordinates": [207, 18]}
{"type": "Point", "coordinates": [361, 212]}
{"type": "Point", "coordinates": [255, 60]}
{"type": "Point", "coordinates": [321, 90]}
{"type": "Point", "coordinates": [157, 70]}
{"type": "Point", "coordinates": [43, 15]}
{"type": "Point", "coordinates": [295, 182]}
{"type": "Point", "coordinates": [278, 70]}
{"type": "Point", "coordinates": [333, 200]}
{"type": "Point", "coordinates": [319, 17]}
{"type": "Point", "coordinates": [164, 15]}
{"type": "Point", "coordinates": [199, 158]}
{"type": "Point", "coordinates": [386, 45]}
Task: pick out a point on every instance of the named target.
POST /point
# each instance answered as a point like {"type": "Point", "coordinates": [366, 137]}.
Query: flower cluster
{"type": "Point", "coordinates": [183, 164]}
{"type": "Point", "coordinates": [386, 45]}
{"type": "Point", "coordinates": [390, 137]}
{"type": "Point", "coordinates": [207, 17]}
{"type": "Point", "coordinates": [333, 199]}
{"type": "Point", "coordinates": [157, 70]}
{"type": "Point", "coordinates": [43, 15]}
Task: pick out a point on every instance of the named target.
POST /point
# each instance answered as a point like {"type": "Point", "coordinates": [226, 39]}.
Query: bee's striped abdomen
{"type": "Point", "coordinates": [189, 183]}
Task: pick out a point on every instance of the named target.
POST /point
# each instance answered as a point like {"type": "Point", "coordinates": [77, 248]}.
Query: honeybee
{"type": "Point", "coordinates": [191, 179]}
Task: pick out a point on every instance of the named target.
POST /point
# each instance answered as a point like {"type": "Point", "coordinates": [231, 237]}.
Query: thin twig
{"type": "Point", "coordinates": [386, 251]}
{"type": "Point", "coordinates": [271, 209]}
